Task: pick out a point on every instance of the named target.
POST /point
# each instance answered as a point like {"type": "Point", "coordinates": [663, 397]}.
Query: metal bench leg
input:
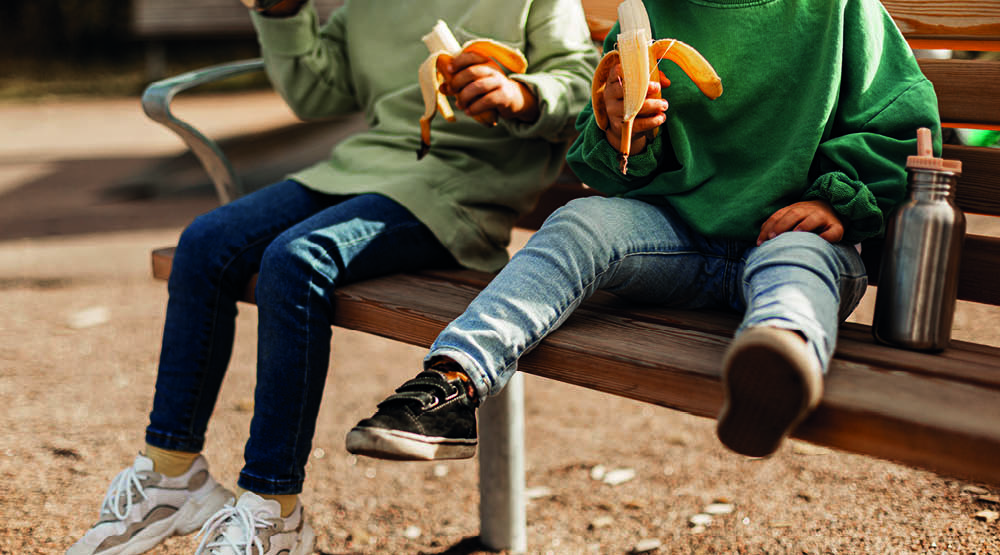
{"type": "Point", "coordinates": [501, 470]}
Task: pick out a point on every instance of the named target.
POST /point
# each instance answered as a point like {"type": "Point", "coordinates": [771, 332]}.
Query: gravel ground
{"type": "Point", "coordinates": [81, 326]}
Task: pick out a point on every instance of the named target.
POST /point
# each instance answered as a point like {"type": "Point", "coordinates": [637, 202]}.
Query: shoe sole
{"type": "Point", "coordinates": [307, 540]}
{"type": "Point", "coordinates": [770, 388]}
{"type": "Point", "coordinates": [187, 519]}
{"type": "Point", "coordinates": [397, 445]}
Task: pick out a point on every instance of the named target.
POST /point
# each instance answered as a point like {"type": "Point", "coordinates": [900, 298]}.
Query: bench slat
{"type": "Point", "coordinates": [952, 421]}
{"type": "Point", "coordinates": [947, 19]}
{"type": "Point", "coordinates": [961, 86]}
{"type": "Point", "coordinates": [966, 362]}
{"type": "Point", "coordinates": [978, 187]}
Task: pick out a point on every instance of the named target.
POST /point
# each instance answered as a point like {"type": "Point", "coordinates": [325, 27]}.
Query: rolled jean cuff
{"type": "Point", "coordinates": [174, 443]}
{"type": "Point", "coordinates": [469, 366]}
{"type": "Point", "coordinates": [267, 486]}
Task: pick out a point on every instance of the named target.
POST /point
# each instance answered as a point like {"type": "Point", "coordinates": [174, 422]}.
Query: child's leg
{"type": "Point", "coordinates": [215, 257]}
{"type": "Point", "coordinates": [798, 288]}
{"type": "Point", "coordinates": [359, 238]}
{"type": "Point", "coordinates": [624, 246]}
{"type": "Point", "coordinates": [628, 247]}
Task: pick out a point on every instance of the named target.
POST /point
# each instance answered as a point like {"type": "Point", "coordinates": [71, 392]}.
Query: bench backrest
{"type": "Point", "coordinates": [199, 18]}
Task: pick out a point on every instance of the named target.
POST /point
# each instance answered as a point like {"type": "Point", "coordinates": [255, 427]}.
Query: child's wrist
{"type": "Point", "coordinates": [529, 111]}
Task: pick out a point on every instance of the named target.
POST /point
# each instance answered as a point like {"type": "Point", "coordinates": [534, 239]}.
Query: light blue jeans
{"type": "Point", "coordinates": [644, 253]}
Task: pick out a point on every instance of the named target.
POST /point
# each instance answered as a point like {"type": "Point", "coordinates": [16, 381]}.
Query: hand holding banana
{"type": "Point", "coordinates": [480, 88]}
{"type": "Point", "coordinates": [651, 115]}
{"type": "Point", "coordinates": [632, 64]}
{"type": "Point", "coordinates": [473, 73]}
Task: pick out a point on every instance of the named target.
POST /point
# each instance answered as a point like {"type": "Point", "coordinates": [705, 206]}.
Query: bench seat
{"type": "Point", "coordinates": [934, 411]}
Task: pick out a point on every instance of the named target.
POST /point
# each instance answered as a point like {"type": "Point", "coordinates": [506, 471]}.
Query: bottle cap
{"type": "Point", "coordinates": [925, 160]}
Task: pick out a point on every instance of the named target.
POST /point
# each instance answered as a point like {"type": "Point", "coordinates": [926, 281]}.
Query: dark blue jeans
{"type": "Point", "coordinates": [303, 244]}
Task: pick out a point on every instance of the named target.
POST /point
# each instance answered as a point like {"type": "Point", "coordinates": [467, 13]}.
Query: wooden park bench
{"type": "Point", "coordinates": [933, 411]}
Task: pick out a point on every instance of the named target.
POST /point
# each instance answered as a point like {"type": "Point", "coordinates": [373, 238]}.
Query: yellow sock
{"type": "Point", "coordinates": [170, 463]}
{"type": "Point", "coordinates": [287, 501]}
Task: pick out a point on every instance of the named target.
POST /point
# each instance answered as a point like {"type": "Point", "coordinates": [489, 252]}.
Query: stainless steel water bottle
{"type": "Point", "coordinates": [918, 280]}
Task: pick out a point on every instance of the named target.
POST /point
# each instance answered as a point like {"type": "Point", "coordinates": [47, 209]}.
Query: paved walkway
{"type": "Point", "coordinates": [86, 166]}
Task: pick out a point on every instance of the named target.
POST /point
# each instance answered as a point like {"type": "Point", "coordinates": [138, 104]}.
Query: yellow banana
{"type": "Point", "coordinates": [639, 56]}
{"type": "Point", "coordinates": [443, 48]}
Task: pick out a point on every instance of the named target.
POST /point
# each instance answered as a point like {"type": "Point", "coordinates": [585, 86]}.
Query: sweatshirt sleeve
{"type": "Point", "coordinates": [863, 174]}
{"type": "Point", "coordinates": [306, 64]}
{"type": "Point", "coordinates": [561, 61]}
{"type": "Point", "coordinates": [596, 162]}
{"type": "Point", "coordinates": [883, 100]}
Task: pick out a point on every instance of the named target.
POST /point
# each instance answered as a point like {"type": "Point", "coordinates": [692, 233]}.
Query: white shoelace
{"type": "Point", "coordinates": [123, 484]}
{"type": "Point", "coordinates": [220, 526]}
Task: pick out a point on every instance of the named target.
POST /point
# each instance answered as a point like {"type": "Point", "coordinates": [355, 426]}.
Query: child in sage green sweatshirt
{"type": "Point", "coordinates": [755, 202]}
{"type": "Point", "coordinates": [371, 209]}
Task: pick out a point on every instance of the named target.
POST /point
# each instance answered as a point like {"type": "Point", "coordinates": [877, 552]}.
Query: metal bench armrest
{"type": "Point", "coordinates": [156, 103]}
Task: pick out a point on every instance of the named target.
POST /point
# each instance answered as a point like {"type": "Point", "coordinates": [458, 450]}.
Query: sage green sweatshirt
{"type": "Point", "coordinates": [821, 100]}
{"type": "Point", "coordinates": [476, 181]}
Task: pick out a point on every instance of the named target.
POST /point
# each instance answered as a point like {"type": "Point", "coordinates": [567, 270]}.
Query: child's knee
{"type": "Point", "coordinates": [592, 219]}
{"type": "Point", "coordinates": [795, 248]}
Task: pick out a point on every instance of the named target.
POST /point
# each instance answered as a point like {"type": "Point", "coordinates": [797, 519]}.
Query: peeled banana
{"type": "Point", "coordinates": [444, 47]}
{"type": "Point", "coordinates": [639, 56]}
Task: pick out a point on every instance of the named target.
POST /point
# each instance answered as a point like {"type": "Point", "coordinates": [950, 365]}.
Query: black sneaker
{"type": "Point", "coordinates": [428, 418]}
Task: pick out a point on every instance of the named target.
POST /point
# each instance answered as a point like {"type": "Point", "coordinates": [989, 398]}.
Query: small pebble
{"type": "Point", "coordinates": [619, 476]}
{"type": "Point", "coordinates": [597, 472]}
{"type": "Point", "coordinates": [412, 532]}
{"type": "Point", "coordinates": [647, 545]}
{"type": "Point", "coordinates": [538, 492]}
{"type": "Point", "coordinates": [975, 490]}
{"type": "Point", "coordinates": [987, 516]}
{"type": "Point", "coordinates": [700, 519]}
{"type": "Point", "coordinates": [719, 509]}
{"type": "Point", "coordinates": [601, 522]}
{"type": "Point", "coordinates": [89, 317]}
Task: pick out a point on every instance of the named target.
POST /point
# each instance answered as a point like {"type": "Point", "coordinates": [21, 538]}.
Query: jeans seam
{"type": "Point", "coordinates": [215, 316]}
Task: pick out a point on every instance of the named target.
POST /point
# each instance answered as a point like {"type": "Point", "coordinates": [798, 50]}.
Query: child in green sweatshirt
{"type": "Point", "coordinates": [754, 202]}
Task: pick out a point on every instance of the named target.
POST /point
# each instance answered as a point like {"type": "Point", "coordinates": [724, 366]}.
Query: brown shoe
{"type": "Point", "coordinates": [771, 383]}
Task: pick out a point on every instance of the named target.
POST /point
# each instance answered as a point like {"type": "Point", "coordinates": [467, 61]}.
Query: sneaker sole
{"type": "Point", "coordinates": [770, 389]}
{"type": "Point", "coordinates": [397, 445]}
{"type": "Point", "coordinates": [187, 519]}
{"type": "Point", "coordinates": [307, 540]}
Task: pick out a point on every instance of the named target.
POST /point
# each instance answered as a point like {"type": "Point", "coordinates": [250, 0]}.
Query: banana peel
{"type": "Point", "coordinates": [433, 73]}
{"type": "Point", "coordinates": [639, 56]}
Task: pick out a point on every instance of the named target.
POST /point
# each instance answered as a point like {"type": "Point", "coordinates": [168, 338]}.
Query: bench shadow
{"type": "Point", "coordinates": [467, 546]}
{"type": "Point", "coordinates": [111, 194]}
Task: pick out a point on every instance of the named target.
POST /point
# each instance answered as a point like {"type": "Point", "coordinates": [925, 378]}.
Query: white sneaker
{"type": "Point", "coordinates": [142, 508]}
{"type": "Point", "coordinates": [254, 526]}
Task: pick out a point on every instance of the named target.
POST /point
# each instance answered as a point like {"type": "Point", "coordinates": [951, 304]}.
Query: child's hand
{"type": "Point", "coordinates": [816, 216]}
{"type": "Point", "coordinates": [652, 114]}
{"type": "Point", "coordinates": [479, 87]}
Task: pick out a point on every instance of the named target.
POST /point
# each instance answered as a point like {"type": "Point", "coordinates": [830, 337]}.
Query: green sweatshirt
{"type": "Point", "coordinates": [476, 181]}
{"type": "Point", "coordinates": [821, 100]}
